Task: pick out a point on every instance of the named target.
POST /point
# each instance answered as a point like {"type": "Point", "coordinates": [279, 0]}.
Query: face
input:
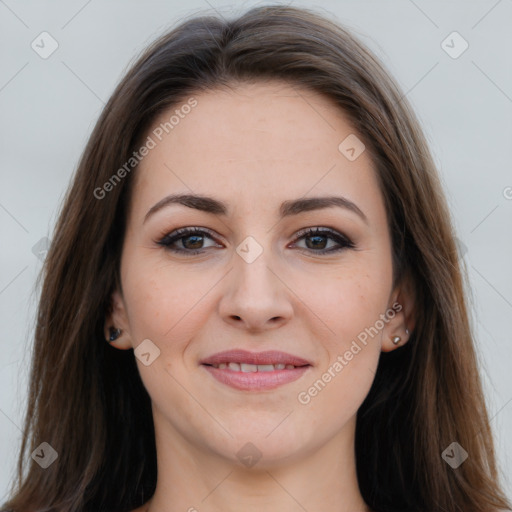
{"type": "Point", "coordinates": [253, 279]}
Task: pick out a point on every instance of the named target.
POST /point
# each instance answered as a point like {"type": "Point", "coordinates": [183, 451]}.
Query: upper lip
{"type": "Point", "coordinates": [244, 356]}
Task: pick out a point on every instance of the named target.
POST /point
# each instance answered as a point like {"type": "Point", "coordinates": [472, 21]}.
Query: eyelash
{"type": "Point", "coordinates": [179, 234]}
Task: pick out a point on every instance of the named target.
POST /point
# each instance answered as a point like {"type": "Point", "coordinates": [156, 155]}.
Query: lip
{"type": "Point", "coordinates": [256, 381]}
{"type": "Point", "coordinates": [244, 356]}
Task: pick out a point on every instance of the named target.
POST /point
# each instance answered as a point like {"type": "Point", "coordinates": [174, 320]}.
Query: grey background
{"type": "Point", "coordinates": [49, 106]}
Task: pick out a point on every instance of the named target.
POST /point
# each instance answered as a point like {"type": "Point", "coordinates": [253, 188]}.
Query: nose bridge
{"type": "Point", "coordinates": [254, 294]}
{"type": "Point", "coordinates": [252, 264]}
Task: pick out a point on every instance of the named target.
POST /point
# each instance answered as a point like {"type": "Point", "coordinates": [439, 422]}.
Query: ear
{"type": "Point", "coordinates": [117, 318]}
{"type": "Point", "coordinates": [401, 315]}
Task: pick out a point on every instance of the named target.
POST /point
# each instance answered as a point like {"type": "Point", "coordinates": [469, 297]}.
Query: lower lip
{"type": "Point", "coordinates": [256, 381]}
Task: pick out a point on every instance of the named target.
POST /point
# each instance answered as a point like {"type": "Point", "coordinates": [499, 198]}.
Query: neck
{"type": "Point", "coordinates": [195, 480]}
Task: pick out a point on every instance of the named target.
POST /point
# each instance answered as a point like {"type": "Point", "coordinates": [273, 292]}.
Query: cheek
{"type": "Point", "coordinates": [335, 395]}
{"type": "Point", "coordinates": [348, 301]}
{"type": "Point", "coordinates": [164, 300]}
{"type": "Point", "coordinates": [351, 307]}
{"type": "Point", "coordinates": [149, 306]}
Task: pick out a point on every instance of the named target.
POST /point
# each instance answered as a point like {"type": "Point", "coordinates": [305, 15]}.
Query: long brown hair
{"type": "Point", "coordinates": [86, 399]}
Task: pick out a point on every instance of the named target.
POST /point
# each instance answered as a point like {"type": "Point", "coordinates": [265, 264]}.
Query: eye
{"type": "Point", "coordinates": [192, 239]}
{"type": "Point", "coordinates": [320, 237]}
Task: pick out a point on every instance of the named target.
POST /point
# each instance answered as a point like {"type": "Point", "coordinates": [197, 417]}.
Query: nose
{"type": "Point", "coordinates": [255, 296]}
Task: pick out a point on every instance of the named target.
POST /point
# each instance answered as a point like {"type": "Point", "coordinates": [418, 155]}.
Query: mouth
{"type": "Point", "coordinates": [251, 368]}
{"type": "Point", "coordinates": [249, 371]}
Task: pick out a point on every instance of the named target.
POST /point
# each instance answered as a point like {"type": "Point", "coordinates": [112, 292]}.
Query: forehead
{"type": "Point", "coordinates": [253, 142]}
{"type": "Point", "coordinates": [268, 120]}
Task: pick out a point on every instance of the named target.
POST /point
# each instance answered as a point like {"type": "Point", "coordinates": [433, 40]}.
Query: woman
{"type": "Point", "coordinates": [311, 350]}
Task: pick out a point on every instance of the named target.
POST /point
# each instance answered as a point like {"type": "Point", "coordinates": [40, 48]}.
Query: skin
{"type": "Point", "coordinates": [253, 147]}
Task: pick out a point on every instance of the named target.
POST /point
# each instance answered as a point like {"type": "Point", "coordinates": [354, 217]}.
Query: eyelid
{"type": "Point", "coordinates": [179, 233]}
{"type": "Point", "coordinates": [322, 230]}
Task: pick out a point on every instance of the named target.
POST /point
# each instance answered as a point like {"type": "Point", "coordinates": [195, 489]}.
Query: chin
{"type": "Point", "coordinates": [267, 445]}
{"type": "Point", "coordinates": [256, 457]}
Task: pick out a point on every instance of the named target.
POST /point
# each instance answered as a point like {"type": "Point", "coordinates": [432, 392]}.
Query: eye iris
{"type": "Point", "coordinates": [315, 244]}
{"type": "Point", "coordinates": [197, 237]}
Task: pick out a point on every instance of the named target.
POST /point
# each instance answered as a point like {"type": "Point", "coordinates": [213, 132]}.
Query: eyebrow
{"type": "Point", "coordinates": [288, 208]}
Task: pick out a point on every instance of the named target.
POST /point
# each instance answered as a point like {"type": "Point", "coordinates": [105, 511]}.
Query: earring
{"type": "Point", "coordinates": [406, 331]}
{"type": "Point", "coordinates": [114, 334]}
{"type": "Point", "coordinates": [396, 340]}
